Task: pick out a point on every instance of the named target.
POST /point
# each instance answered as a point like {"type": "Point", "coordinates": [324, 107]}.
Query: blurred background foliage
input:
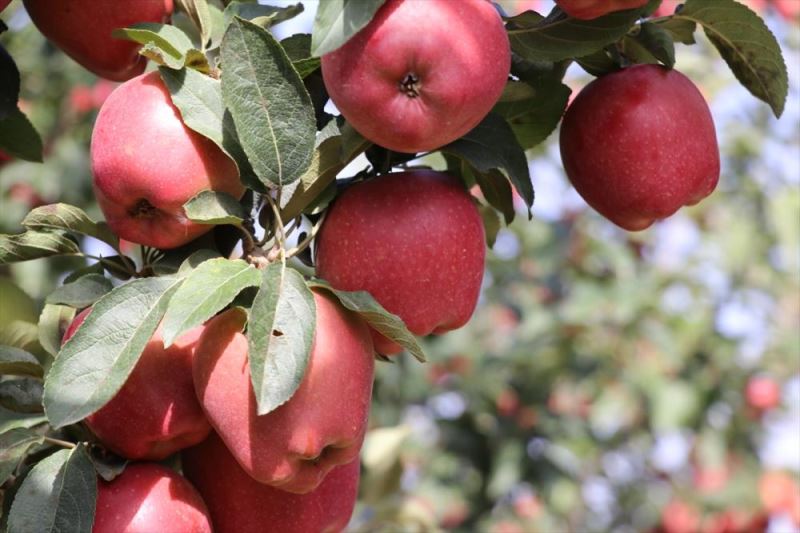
{"type": "Point", "coordinates": [608, 381]}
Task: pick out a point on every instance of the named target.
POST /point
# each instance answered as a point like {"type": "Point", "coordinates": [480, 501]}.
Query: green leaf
{"type": "Point", "coordinates": [95, 363]}
{"type": "Point", "coordinates": [81, 293]}
{"type": "Point", "coordinates": [9, 84]}
{"type": "Point", "coordinates": [746, 44]}
{"type": "Point", "coordinates": [200, 14]}
{"type": "Point", "coordinates": [53, 322]}
{"type": "Point", "coordinates": [269, 104]}
{"type": "Point", "coordinates": [338, 20]}
{"type": "Point", "coordinates": [533, 109]}
{"type": "Point", "coordinates": [681, 30]}
{"type": "Point", "coordinates": [264, 16]}
{"type": "Point", "coordinates": [10, 420]}
{"type": "Point", "coordinates": [17, 362]}
{"type": "Point", "coordinates": [35, 245]}
{"type": "Point", "coordinates": [493, 146]}
{"type": "Point", "coordinates": [19, 138]}
{"type": "Point", "coordinates": [497, 192]}
{"type": "Point", "coordinates": [598, 63]}
{"type": "Point", "coordinates": [199, 99]}
{"type": "Point", "coordinates": [14, 446]}
{"type": "Point", "coordinates": [163, 43]}
{"type": "Point", "coordinates": [280, 339]}
{"type": "Point", "coordinates": [491, 223]}
{"type": "Point", "coordinates": [217, 208]}
{"type": "Point", "coordinates": [58, 495]}
{"type": "Point", "coordinates": [298, 48]}
{"type": "Point", "coordinates": [70, 218]}
{"type": "Point", "coordinates": [387, 324]}
{"type": "Point", "coordinates": [658, 41]}
{"type": "Point", "coordinates": [23, 395]}
{"type": "Point", "coordinates": [208, 288]}
{"type": "Point", "coordinates": [195, 260]}
{"type": "Point", "coordinates": [329, 159]}
{"type": "Point", "coordinates": [559, 37]}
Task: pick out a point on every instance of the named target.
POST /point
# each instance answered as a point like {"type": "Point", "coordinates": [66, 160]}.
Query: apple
{"type": "Point", "coordinates": [156, 412]}
{"type": "Point", "coordinates": [415, 241]}
{"type": "Point", "coordinates": [149, 497]}
{"type": "Point", "coordinates": [239, 504]}
{"type": "Point", "coordinates": [4, 4]}
{"type": "Point", "coordinates": [591, 9]}
{"type": "Point", "coordinates": [320, 427]}
{"type": "Point", "coordinates": [82, 29]}
{"type": "Point", "coordinates": [147, 164]}
{"type": "Point", "coordinates": [422, 73]}
{"type": "Point", "coordinates": [680, 517]}
{"type": "Point", "coordinates": [638, 144]}
{"type": "Point", "coordinates": [762, 393]}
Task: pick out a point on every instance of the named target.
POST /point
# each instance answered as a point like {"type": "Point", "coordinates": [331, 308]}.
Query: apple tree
{"type": "Point", "coordinates": [242, 243]}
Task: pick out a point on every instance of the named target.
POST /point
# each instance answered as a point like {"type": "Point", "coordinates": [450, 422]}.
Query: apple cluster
{"type": "Point", "coordinates": [637, 145]}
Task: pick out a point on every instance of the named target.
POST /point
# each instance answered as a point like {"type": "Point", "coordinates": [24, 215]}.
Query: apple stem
{"type": "Point", "coordinates": [277, 225]}
{"type": "Point", "coordinates": [59, 442]}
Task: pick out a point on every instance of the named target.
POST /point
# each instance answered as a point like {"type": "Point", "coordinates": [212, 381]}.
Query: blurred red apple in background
{"type": "Point", "coordinates": [239, 504]}
{"type": "Point", "coordinates": [762, 393]}
{"type": "Point", "coordinates": [415, 241]}
{"type": "Point", "coordinates": [422, 73]}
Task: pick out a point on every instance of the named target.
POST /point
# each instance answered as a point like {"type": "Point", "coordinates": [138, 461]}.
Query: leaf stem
{"type": "Point", "coordinates": [59, 442]}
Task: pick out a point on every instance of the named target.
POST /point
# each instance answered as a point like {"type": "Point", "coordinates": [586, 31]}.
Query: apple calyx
{"type": "Point", "coordinates": [411, 85]}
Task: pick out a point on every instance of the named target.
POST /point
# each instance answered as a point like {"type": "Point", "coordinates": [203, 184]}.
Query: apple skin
{"type": "Point", "coordinates": [320, 427]}
{"type": "Point", "coordinates": [149, 497]}
{"type": "Point", "coordinates": [592, 9]}
{"type": "Point", "coordinates": [415, 241]}
{"type": "Point", "coordinates": [147, 164]}
{"type": "Point", "coordinates": [458, 52]}
{"type": "Point", "coordinates": [239, 504]}
{"type": "Point", "coordinates": [639, 144]}
{"type": "Point", "coordinates": [156, 412]}
{"type": "Point", "coordinates": [762, 393]}
{"type": "Point", "coordinates": [82, 29]}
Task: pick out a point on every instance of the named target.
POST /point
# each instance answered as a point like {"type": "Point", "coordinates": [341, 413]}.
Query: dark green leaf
{"type": "Point", "coordinates": [216, 208]}
{"type": "Point", "coordinates": [94, 364]}
{"type": "Point", "coordinates": [497, 192]}
{"type": "Point", "coordinates": [17, 362]}
{"type": "Point", "coordinates": [298, 48]}
{"type": "Point", "coordinates": [19, 138]}
{"type": "Point", "coordinates": [23, 395]}
{"type": "Point", "coordinates": [746, 44]}
{"type": "Point", "coordinates": [657, 41]}
{"type": "Point", "coordinates": [34, 245]}
{"type": "Point", "coordinates": [208, 288]}
{"type": "Point", "coordinates": [71, 218]}
{"type": "Point", "coordinates": [493, 146]}
{"type": "Point", "coordinates": [387, 324]}
{"type": "Point", "coordinates": [199, 99]}
{"type": "Point", "coordinates": [9, 84]}
{"type": "Point", "coordinates": [14, 445]}
{"type": "Point", "coordinates": [280, 340]}
{"type": "Point", "coordinates": [338, 20]}
{"type": "Point", "coordinates": [269, 104]}
{"type": "Point", "coordinates": [58, 495]}
{"type": "Point", "coordinates": [265, 16]}
{"type": "Point", "coordinates": [533, 109]}
{"type": "Point", "coordinates": [81, 293]}
{"type": "Point", "coordinates": [559, 37]}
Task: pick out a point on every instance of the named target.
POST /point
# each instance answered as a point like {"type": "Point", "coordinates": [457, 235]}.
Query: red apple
{"type": "Point", "coordinates": [239, 504]}
{"type": "Point", "coordinates": [591, 9]}
{"type": "Point", "coordinates": [320, 427]}
{"type": "Point", "coordinates": [639, 144]}
{"type": "Point", "coordinates": [415, 241]}
{"type": "Point", "coordinates": [788, 9]}
{"type": "Point", "coordinates": [82, 29]}
{"type": "Point", "coordinates": [148, 497]}
{"type": "Point", "coordinates": [156, 412]}
{"type": "Point", "coordinates": [680, 517]}
{"type": "Point", "coordinates": [147, 164]}
{"type": "Point", "coordinates": [422, 73]}
{"type": "Point", "coordinates": [762, 393]}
